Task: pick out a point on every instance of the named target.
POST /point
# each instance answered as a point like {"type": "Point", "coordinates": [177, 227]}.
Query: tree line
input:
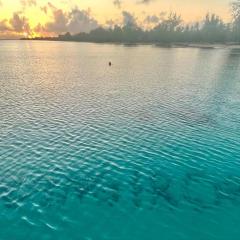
{"type": "Point", "coordinates": [169, 30]}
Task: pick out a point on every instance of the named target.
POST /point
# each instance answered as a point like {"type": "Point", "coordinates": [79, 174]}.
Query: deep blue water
{"type": "Point", "coordinates": [146, 149]}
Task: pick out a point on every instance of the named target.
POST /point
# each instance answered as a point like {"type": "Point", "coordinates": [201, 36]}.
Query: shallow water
{"type": "Point", "coordinates": [146, 149]}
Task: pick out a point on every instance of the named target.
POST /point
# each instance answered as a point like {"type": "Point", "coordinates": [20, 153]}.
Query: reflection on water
{"type": "Point", "coordinates": [146, 148]}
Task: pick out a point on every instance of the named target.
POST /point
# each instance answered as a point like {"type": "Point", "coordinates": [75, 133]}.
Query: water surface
{"type": "Point", "coordinates": [146, 149]}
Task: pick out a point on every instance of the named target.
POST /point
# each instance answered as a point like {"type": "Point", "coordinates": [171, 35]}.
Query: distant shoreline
{"type": "Point", "coordinates": [158, 44]}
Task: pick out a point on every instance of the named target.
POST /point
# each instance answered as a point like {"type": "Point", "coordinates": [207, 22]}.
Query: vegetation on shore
{"type": "Point", "coordinates": [169, 30]}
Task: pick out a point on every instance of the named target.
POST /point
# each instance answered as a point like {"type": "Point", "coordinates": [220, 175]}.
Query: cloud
{"type": "Point", "coordinates": [128, 19]}
{"type": "Point", "coordinates": [15, 27]}
{"type": "Point", "coordinates": [112, 23]}
{"type": "Point", "coordinates": [59, 23]}
{"type": "Point", "coordinates": [117, 3]}
{"type": "Point", "coordinates": [144, 1]}
{"type": "Point", "coordinates": [81, 21]}
{"type": "Point", "coordinates": [151, 19]}
{"type": "Point", "coordinates": [28, 3]}
{"type": "Point", "coordinates": [3, 25]}
{"type": "Point", "coordinates": [73, 21]}
{"type": "Point", "coordinates": [44, 9]}
{"type": "Point", "coordinates": [48, 7]}
{"type": "Point", "coordinates": [19, 23]}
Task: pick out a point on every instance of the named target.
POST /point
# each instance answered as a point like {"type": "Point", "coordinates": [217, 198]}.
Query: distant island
{"type": "Point", "coordinates": [169, 31]}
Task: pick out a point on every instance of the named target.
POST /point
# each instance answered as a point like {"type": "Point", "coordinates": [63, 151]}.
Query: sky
{"type": "Point", "coordinates": [32, 18]}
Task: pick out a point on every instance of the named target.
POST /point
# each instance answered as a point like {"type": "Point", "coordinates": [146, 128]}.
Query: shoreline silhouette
{"type": "Point", "coordinates": [169, 31]}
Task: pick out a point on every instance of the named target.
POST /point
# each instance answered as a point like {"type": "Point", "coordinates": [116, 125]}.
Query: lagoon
{"type": "Point", "coordinates": [145, 149]}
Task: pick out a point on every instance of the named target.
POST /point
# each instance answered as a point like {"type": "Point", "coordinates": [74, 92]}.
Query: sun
{"type": "Point", "coordinates": [25, 34]}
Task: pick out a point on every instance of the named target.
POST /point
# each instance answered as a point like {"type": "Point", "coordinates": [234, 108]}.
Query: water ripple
{"type": "Point", "coordinates": [97, 153]}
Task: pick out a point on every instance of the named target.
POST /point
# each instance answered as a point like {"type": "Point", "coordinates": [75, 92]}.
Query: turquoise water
{"type": "Point", "coordinates": [146, 149]}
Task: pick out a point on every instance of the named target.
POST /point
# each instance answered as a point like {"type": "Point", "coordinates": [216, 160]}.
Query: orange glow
{"type": "Point", "coordinates": [41, 13]}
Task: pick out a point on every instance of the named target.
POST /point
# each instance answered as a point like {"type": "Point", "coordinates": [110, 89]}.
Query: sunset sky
{"type": "Point", "coordinates": [42, 17]}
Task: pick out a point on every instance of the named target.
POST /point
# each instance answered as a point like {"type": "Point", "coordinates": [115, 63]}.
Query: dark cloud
{"type": "Point", "coordinates": [128, 18]}
{"type": "Point", "coordinates": [81, 21]}
{"type": "Point", "coordinates": [19, 23]}
{"type": "Point", "coordinates": [59, 23]}
{"type": "Point", "coordinates": [74, 21]}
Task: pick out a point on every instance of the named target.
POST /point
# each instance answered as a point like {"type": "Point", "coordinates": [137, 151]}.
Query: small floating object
{"type": "Point", "coordinates": [110, 64]}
